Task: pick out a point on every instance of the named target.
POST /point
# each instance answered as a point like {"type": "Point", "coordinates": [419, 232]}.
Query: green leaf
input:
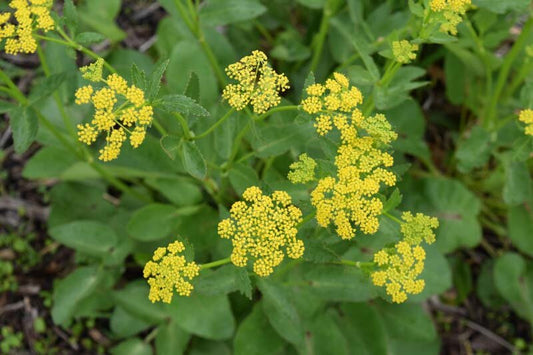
{"type": "Point", "coordinates": [323, 335]}
{"type": "Point", "coordinates": [206, 316]}
{"type": "Point", "coordinates": [134, 300]}
{"type": "Point", "coordinates": [87, 237]}
{"type": "Point", "coordinates": [49, 162]}
{"type": "Point", "coordinates": [517, 187]}
{"type": "Point", "coordinates": [520, 222]}
{"type": "Point", "coordinates": [339, 283]}
{"type": "Point", "coordinates": [514, 281]}
{"type": "Point", "coordinates": [24, 125]}
{"type": "Point", "coordinates": [171, 339]}
{"type": "Point", "coordinates": [46, 87]}
{"type": "Point", "coordinates": [223, 281]}
{"type": "Point", "coordinates": [180, 191]}
{"type": "Point", "coordinates": [100, 16]}
{"type": "Point", "coordinates": [255, 335]}
{"type": "Point", "coordinates": [171, 145]}
{"type": "Point", "coordinates": [72, 290]}
{"type": "Point", "coordinates": [124, 325]}
{"type": "Point", "coordinates": [456, 78]}
{"type": "Point", "coordinates": [407, 321]}
{"type": "Point", "coordinates": [474, 150]}
{"type": "Point", "coordinates": [71, 16]}
{"type": "Point", "coordinates": [89, 38]}
{"type": "Point", "coordinates": [138, 77]}
{"type": "Point", "coordinates": [393, 201]}
{"type": "Point", "coordinates": [243, 176]}
{"type": "Point", "coordinates": [193, 160]}
{"type": "Point", "coordinates": [152, 222]}
{"type": "Point", "coordinates": [133, 346]}
{"type": "Point", "coordinates": [273, 140]}
{"type": "Point", "coordinates": [223, 12]}
{"type": "Point", "coordinates": [437, 275]}
{"type": "Point", "coordinates": [462, 278]}
{"type": "Point", "coordinates": [364, 328]}
{"type": "Point", "coordinates": [313, 4]}
{"type": "Point", "coordinates": [281, 312]}
{"type": "Point", "coordinates": [486, 289]}
{"type": "Point", "coordinates": [182, 104]}
{"type": "Point", "coordinates": [192, 89]}
{"type": "Point", "coordinates": [154, 84]}
{"type": "Point", "coordinates": [6, 106]}
{"type": "Point", "coordinates": [501, 7]}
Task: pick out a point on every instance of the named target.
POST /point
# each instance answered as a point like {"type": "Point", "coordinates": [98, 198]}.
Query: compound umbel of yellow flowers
{"type": "Point", "coordinates": [264, 229]}
{"type": "Point", "coordinates": [30, 16]}
{"type": "Point", "coordinates": [303, 170]}
{"type": "Point", "coordinates": [133, 116]}
{"type": "Point", "coordinates": [257, 84]}
{"type": "Point", "coordinates": [399, 268]}
{"type": "Point", "coordinates": [526, 116]}
{"type": "Point", "coordinates": [348, 200]}
{"type": "Point", "coordinates": [169, 270]}
{"type": "Point", "coordinates": [451, 12]}
{"type": "Point", "coordinates": [403, 51]}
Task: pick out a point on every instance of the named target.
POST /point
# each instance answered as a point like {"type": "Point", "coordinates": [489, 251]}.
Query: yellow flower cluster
{"type": "Point", "coordinates": [258, 84]}
{"type": "Point", "coordinates": [169, 270]}
{"type": "Point", "coordinates": [303, 170]}
{"type": "Point", "coordinates": [403, 51]}
{"type": "Point", "coordinates": [349, 200]}
{"type": "Point", "coordinates": [418, 228]}
{"type": "Point", "coordinates": [264, 228]}
{"type": "Point", "coordinates": [30, 15]}
{"type": "Point", "coordinates": [526, 116]}
{"type": "Point", "coordinates": [400, 267]}
{"type": "Point", "coordinates": [452, 12]}
{"type": "Point", "coordinates": [133, 111]}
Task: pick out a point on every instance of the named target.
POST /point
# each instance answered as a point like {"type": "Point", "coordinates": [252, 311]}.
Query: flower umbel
{"type": "Point", "coordinates": [132, 112]}
{"type": "Point", "coordinates": [264, 229]}
{"type": "Point", "coordinates": [449, 13]}
{"type": "Point", "coordinates": [258, 84]}
{"type": "Point", "coordinates": [303, 170]}
{"type": "Point", "coordinates": [30, 16]}
{"type": "Point", "coordinates": [399, 268]}
{"type": "Point", "coordinates": [526, 116]}
{"type": "Point", "coordinates": [403, 51]}
{"type": "Point", "coordinates": [169, 270]}
{"type": "Point", "coordinates": [418, 228]}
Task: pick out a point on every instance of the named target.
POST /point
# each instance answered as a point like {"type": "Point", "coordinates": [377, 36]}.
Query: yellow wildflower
{"type": "Point", "coordinates": [419, 227]}
{"type": "Point", "coordinates": [263, 228]}
{"type": "Point", "coordinates": [258, 84]}
{"type": "Point", "coordinates": [526, 116]}
{"type": "Point", "coordinates": [403, 51]}
{"type": "Point", "coordinates": [30, 16]}
{"type": "Point", "coordinates": [133, 111]}
{"type": "Point", "coordinates": [169, 270]}
{"type": "Point", "coordinates": [303, 170]}
{"type": "Point", "coordinates": [94, 71]}
{"type": "Point", "coordinates": [449, 13]}
{"type": "Point", "coordinates": [399, 268]}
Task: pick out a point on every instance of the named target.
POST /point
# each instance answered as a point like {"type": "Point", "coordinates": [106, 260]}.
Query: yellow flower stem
{"type": "Point", "coordinates": [520, 43]}
{"type": "Point", "coordinates": [278, 109]}
{"type": "Point", "coordinates": [387, 214]}
{"type": "Point", "coordinates": [215, 263]}
{"type": "Point", "coordinates": [215, 125]}
{"type": "Point", "coordinates": [321, 37]}
{"type": "Point", "coordinates": [66, 121]}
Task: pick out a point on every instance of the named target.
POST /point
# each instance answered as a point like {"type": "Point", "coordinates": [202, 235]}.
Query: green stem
{"type": "Point", "coordinates": [306, 219]}
{"type": "Point", "coordinates": [358, 264]}
{"type": "Point", "coordinates": [387, 214]}
{"type": "Point", "coordinates": [215, 263]}
{"type": "Point", "coordinates": [117, 183]}
{"type": "Point", "coordinates": [215, 125]}
{"type": "Point", "coordinates": [278, 109]}
{"type": "Point", "coordinates": [321, 37]}
{"type": "Point", "coordinates": [14, 90]}
{"type": "Point", "coordinates": [264, 32]}
{"type": "Point", "coordinates": [184, 126]}
{"type": "Point", "coordinates": [518, 46]}
{"type": "Point", "coordinates": [159, 127]}
{"type": "Point", "coordinates": [525, 71]}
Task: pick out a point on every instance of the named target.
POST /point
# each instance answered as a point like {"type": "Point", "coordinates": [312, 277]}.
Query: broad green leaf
{"type": "Point", "coordinates": [152, 222]}
{"type": "Point", "coordinates": [171, 339]}
{"type": "Point", "coordinates": [124, 325]}
{"type": "Point", "coordinates": [49, 162]}
{"type": "Point", "coordinates": [393, 201]}
{"type": "Point", "coordinates": [209, 317]}
{"type": "Point", "coordinates": [154, 84]}
{"type": "Point", "coordinates": [276, 139]}
{"type": "Point", "coordinates": [132, 346]}
{"type": "Point", "coordinates": [313, 4]}
{"type": "Point", "coordinates": [24, 125]}
{"type": "Point", "coordinates": [87, 237]}
{"type": "Point", "coordinates": [193, 160]}
{"type": "Point", "coordinates": [134, 300]}
{"type": "Point", "coordinates": [100, 16]}
{"type": "Point", "coordinates": [501, 7]}
{"type": "Point", "coordinates": [171, 146]}
{"type": "Point", "coordinates": [281, 312]}
{"type": "Point", "coordinates": [178, 190]}
{"type": "Point", "coordinates": [456, 78]}
{"type": "Point", "coordinates": [255, 335]}
{"type": "Point", "coordinates": [520, 223]}
{"type": "Point", "coordinates": [71, 16]}
{"type": "Point", "coordinates": [407, 321]}
{"type": "Point", "coordinates": [363, 328]}
{"type": "Point", "coordinates": [89, 38]}
{"type": "Point", "coordinates": [339, 283]}
{"type": "Point", "coordinates": [47, 86]}
{"type": "Point", "coordinates": [243, 176]}
{"type": "Point", "coordinates": [72, 290]}
{"type": "Point", "coordinates": [6, 106]}
{"type": "Point", "coordinates": [486, 288]}
{"type": "Point", "coordinates": [223, 280]}
{"type": "Point", "coordinates": [223, 12]}
{"type": "Point", "coordinates": [138, 77]}
{"type": "Point", "coordinates": [474, 150]}
{"type": "Point", "coordinates": [182, 104]}
{"type": "Point", "coordinates": [192, 89]}
{"type": "Point", "coordinates": [323, 335]}
{"type": "Point", "coordinates": [517, 187]}
{"type": "Point", "coordinates": [513, 278]}
{"type": "Point", "coordinates": [462, 278]}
